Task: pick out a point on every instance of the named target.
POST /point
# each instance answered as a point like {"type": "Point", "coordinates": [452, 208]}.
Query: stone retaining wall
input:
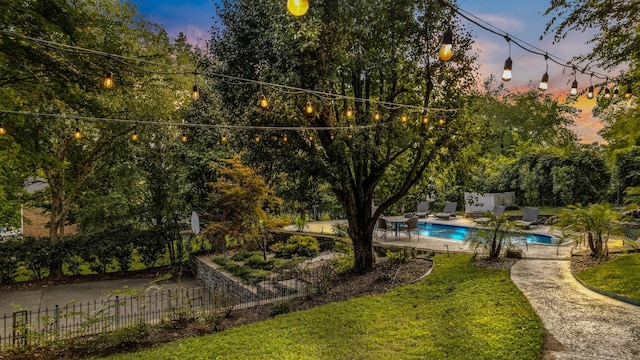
{"type": "Point", "coordinates": [207, 272]}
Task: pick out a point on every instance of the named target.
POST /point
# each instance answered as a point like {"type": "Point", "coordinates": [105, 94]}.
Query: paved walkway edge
{"type": "Point", "coordinates": [604, 292]}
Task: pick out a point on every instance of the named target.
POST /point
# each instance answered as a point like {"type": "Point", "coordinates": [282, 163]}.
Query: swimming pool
{"type": "Point", "coordinates": [461, 233]}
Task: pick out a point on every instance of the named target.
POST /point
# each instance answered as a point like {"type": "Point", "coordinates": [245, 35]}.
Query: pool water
{"type": "Point", "coordinates": [461, 233]}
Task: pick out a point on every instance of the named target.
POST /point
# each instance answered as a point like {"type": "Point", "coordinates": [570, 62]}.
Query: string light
{"type": "Point", "coordinates": [616, 92]}
{"type": "Point", "coordinates": [195, 93]}
{"type": "Point", "coordinates": [134, 136]}
{"type": "Point", "coordinates": [3, 130]}
{"type": "Point", "coordinates": [574, 84]}
{"type": "Point", "coordinates": [223, 139]}
{"type": "Point", "coordinates": [403, 118]}
{"type": "Point", "coordinates": [107, 80]}
{"type": "Point", "coordinates": [607, 92]}
{"type": "Point", "coordinates": [376, 116]}
{"type": "Point", "coordinates": [425, 119]}
{"type": "Point", "coordinates": [263, 103]}
{"type": "Point", "coordinates": [332, 136]}
{"type": "Point", "coordinates": [257, 139]}
{"type": "Point", "coordinates": [544, 83]}
{"type": "Point", "coordinates": [298, 7]}
{"type": "Point", "coordinates": [348, 113]}
{"type": "Point", "coordinates": [590, 91]}
{"type": "Point", "coordinates": [442, 121]}
{"type": "Point", "coordinates": [285, 138]}
{"type": "Point", "coordinates": [77, 134]}
{"type": "Point", "coordinates": [508, 64]}
{"type": "Point", "coordinates": [308, 108]}
{"type": "Point", "coordinates": [628, 93]}
{"type": "Point", "coordinates": [184, 138]}
{"type": "Point", "coordinates": [446, 48]}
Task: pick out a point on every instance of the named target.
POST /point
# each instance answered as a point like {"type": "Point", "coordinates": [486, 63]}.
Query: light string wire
{"type": "Point", "coordinates": [197, 125]}
{"type": "Point", "coordinates": [227, 78]}
{"type": "Point", "coordinates": [517, 41]}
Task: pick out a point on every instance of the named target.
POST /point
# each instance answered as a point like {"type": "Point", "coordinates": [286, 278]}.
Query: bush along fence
{"type": "Point", "coordinates": [152, 306]}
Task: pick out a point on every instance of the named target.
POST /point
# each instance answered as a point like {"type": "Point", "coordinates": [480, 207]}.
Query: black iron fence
{"type": "Point", "coordinates": [151, 306]}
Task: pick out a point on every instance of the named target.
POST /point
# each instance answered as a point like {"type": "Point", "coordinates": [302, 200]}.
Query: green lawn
{"type": "Point", "coordinates": [459, 312]}
{"type": "Point", "coordinates": [620, 276]}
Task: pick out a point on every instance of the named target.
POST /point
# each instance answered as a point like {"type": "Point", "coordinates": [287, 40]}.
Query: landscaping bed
{"type": "Point", "coordinates": [617, 275]}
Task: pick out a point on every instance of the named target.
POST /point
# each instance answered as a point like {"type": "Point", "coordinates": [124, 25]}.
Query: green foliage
{"type": "Point", "coordinates": [37, 254]}
{"type": "Point", "coordinates": [618, 276]}
{"type": "Point", "coordinates": [626, 163]}
{"type": "Point", "coordinates": [280, 307]}
{"type": "Point", "coordinates": [297, 245]}
{"type": "Point", "coordinates": [460, 311]}
{"type": "Point", "coordinates": [8, 261]}
{"type": "Point", "coordinates": [246, 273]}
{"type": "Point", "coordinates": [493, 236]}
{"type": "Point", "coordinates": [593, 224]}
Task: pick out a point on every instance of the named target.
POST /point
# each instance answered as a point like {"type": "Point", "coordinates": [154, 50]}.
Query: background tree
{"type": "Point", "coordinates": [377, 51]}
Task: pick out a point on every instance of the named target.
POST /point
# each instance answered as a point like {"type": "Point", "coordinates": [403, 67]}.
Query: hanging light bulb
{"type": "Point", "coordinates": [348, 113]}
{"type": "Point", "coordinates": [349, 135]}
{"type": "Point", "coordinates": [508, 66]}
{"type": "Point", "coordinates": [425, 119]}
{"type": "Point", "coordinates": [544, 83]}
{"type": "Point", "coordinates": [332, 136]}
{"type": "Point", "coordinates": [285, 138]}
{"type": "Point", "coordinates": [616, 92]}
{"type": "Point", "coordinates": [263, 103]}
{"type": "Point", "coordinates": [628, 93]}
{"type": "Point", "coordinates": [77, 134]}
{"type": "Point", "coordinates": [590, 92]}
{"type": "Point", "coordinates": [298, 7]}
{"type": "Point", "coordinates": [134, 136]}
{"type": "Point", "coordinates": [607, 92]}
{"type": "Point", "coordinates": [107, 81]}
{"type": "Point", "coordinates": [257, 139]}
{"type": "Point", "coordinates": [442, 121]}
{"type": "Point", "coordinates": [446, 48]}
{"type": "Point", "coordinates": [223, 139]}
{"type": "Point", "coordinates": [195, 93]}
{"type": "Point", "coordinates": [310, 137]}
{"type": "Point", "coordinates": [3, 130]}
{"type": "Point", "coordinates": [308, 108]}
{"type": "Point", "coordinates": [574, 87]}
{"type": "Point", "coordinates": [403, 118]}
{"type": "Point", "coordinates": [183, 138]}
{"type": "Point", "coordinates": [376, 116]}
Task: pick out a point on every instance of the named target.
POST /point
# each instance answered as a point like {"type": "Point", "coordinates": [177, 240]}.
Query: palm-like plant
{"type": "Point", "coordinates": [492, 237]}
{"type": "Point", "coordinates": [595, 224]}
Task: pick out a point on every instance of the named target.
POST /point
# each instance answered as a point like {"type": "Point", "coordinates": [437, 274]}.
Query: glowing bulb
{"type": "Point", "coordinates": [607, 93]}
{"type": "Point", "coordinates": [332, 136]}
{"type": "Point", "coordinates": [223, 139]}
{"type": "Point", "coordinates": [403, 118]}
{"type": "Point", "coordinates": [544, 83]}
{"type": "Point", "coordinates": [508, 66]}
{"type": "Point", "coordinates": [310, 137]}
{"type": "Point", "coordinates": [425, 119]}
{"type": "Point", "coordinates": [257, 139]}
{"type": "Point", "coordinates": [285, 138]}
{"type": "Point", "coordinates": [263, 102]}
{"type": "Point", "coordinates": [446, 48]}
{"type": "Point", "coordinates": [107, 81]}
{"type": "Point", "coordinates": [590, 92]}
{"type": "Point", "coordinates": [349, 136]}
{"type": "Point", "coordinates": [442, 121]}
{"type": "Point", "coordinates": [134, 136]}
{"type": "Point", "coordinates": [195, 93]}
{"type": "Point", "coordinates": [616, 92]}
{"type": "Point", "coordinates": [628, 93]}
{"type": "Point", "coordinates": [308, 108]}
{"type": "Point", "coordinates": [298, 7]}
{"type": "Point", "coordinates": [348, 113]}
{"type": "Point", "coordinates": [376, 116]}
{"type": "Point", "coordinates": [3, 130]}
{"type": "Point", "coordinates": [77, 134]}
{"type": "Point", "coordinates": [183, 138]}
{"type": "Point", "coordinates": [574, 88]}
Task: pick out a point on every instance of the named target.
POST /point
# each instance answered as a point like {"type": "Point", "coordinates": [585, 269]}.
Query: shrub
{"type": "Point", "coordinates": [8, 262]}
{"type": "Point", "coordinates": [297, 245]}
{"type": "Point", "coordinates": [256, 261]}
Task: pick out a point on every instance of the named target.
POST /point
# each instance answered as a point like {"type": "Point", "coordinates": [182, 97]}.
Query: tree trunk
{"type": "Point", "coordinates": [361, 234]}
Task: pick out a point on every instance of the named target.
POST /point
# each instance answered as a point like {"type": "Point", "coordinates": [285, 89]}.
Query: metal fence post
{"type": "Point", "coordinates": [117, 312]}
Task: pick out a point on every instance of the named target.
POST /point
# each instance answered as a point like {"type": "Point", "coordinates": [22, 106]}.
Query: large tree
{"type": "Point", "coordinates": [378, 52]}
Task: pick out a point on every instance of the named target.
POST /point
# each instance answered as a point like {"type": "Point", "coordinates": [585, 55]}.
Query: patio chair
{"type": "Point", "coordinates": [409, 226]}
{"type": "Point", "coordinates": [529, 218]}
{"type": "Point", "coordinates": [383, 226]}
{"type": "Point", "coordinates": [423, 209]}
{"type": "Point", "coordinates": [448, 211]}
{"type": "Point", "coordinates": [498, 210]}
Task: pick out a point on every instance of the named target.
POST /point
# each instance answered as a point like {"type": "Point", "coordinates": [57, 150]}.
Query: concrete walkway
{"type": "Point", "coordinates": [582, 324]}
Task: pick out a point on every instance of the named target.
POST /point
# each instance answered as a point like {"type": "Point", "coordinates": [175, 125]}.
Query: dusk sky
{"type": "Point", "coordinates": [521, 19]}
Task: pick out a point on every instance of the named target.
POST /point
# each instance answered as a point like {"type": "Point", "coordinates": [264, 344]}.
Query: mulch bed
{"type": "Point", "coordinates": [344, 287]}
{"type": "Point", "coordinates": [580, 263]}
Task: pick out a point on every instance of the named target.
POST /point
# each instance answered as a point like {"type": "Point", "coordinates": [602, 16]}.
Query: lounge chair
{"type": "Point", "coordinates": [383, 226]}
{"type": "Point", "coordinates": [529, 218]}
{"type": "Point", "coordinates": [498, 210]}
{"type": "Point", "coordinates": [423, 209]}
{"type": "Point", "coordinates": [409, 226]}
{"type": "Point", "coordinates": [448, 211]}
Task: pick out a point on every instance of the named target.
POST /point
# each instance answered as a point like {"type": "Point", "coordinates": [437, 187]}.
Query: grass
{"type": "Point", "coordinates": [619, 276]}
{"type": "Point", "coordinates": [460, 311]}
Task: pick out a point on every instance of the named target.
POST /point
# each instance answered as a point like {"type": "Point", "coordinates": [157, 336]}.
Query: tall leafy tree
{"type": "Point", "coordinates": [376, 51]}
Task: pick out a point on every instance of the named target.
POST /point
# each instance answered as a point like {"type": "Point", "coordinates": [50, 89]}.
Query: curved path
{"type": "Point", "coordinates": [581, 324]}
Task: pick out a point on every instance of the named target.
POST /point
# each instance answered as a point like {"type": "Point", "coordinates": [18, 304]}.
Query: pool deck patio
{"type": "Point", "coordinates": [428, 243]}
